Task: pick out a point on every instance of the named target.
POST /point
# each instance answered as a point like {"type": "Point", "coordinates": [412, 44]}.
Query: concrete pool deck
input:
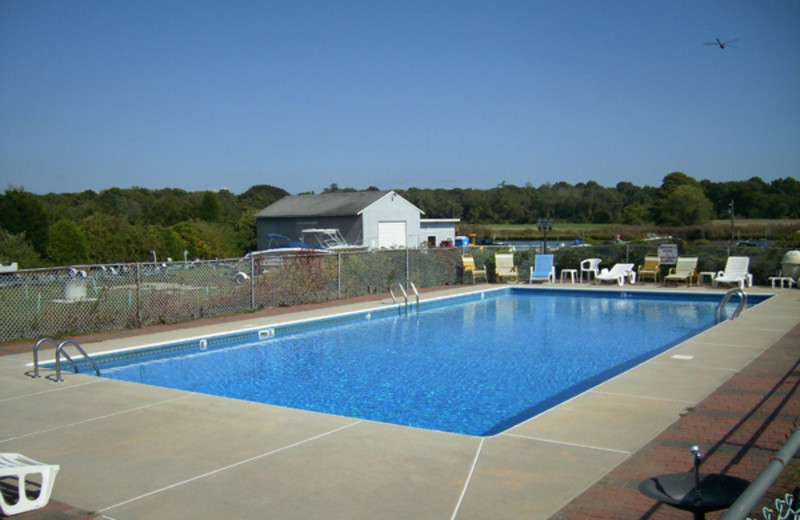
{"type": "Point", "coordinates": [130, 451]}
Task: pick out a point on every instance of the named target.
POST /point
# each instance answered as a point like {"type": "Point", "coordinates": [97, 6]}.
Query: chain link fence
{"type": "Point", "coordinates": [56, 302]}
{"type": "Point", "coordinates": [71, 300]}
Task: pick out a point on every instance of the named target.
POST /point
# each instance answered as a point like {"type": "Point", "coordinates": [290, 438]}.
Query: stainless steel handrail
{"type": "Point", "coordinates": [60, 350]}
{"type": "Point", "coordinates": [728, 295]}
{"type": "Point", "coordinates": [759, 487]}
{"type": "Point", "coordinates": [36, 354]}
{"type": "Point", "coordinates": [402, 289]}
{"type": "Point", "coordinates": [410, 283]}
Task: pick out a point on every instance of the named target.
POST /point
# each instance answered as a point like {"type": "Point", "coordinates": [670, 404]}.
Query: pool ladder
{"type": "Point", "coordinates": [59, 351]}
{"type": "Point", "coordinates": [728, 295]}
{"type": "Point", "coordinates": [411, 285]}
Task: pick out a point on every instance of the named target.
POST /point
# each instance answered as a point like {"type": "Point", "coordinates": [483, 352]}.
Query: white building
{"type": "Point", "coordinates": [373, 219]}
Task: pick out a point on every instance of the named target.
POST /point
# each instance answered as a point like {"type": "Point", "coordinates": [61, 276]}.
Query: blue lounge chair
{"type": "Point", "coordinates": [543, 269]}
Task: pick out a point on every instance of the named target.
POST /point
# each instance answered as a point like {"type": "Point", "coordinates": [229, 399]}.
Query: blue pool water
{"type": "Point", "coordinates": [475, 366]}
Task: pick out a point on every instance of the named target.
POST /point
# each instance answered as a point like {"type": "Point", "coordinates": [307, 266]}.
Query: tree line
{"type": "Point", "coordinates": [138, 224]}
{"type": "Point", "coordinates": [680, 200]}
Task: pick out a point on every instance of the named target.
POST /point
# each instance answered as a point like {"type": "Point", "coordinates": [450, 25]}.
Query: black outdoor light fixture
{"type": "Point", "coordinates": [544, 225]}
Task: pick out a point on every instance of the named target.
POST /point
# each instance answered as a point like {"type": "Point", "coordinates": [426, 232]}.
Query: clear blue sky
{"type": "Point", "coordinates": [395, 94]}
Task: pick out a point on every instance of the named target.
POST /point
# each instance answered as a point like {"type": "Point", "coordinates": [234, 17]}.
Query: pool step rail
{"type": "Point", "coordinates": [403, 291]}
{"type": "Point", "coordinates": [725, 299]}
{"type": "Point", "coordinates": [59, 352]}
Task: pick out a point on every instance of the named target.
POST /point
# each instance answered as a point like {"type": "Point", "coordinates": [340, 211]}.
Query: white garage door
{"type": "Point", "coordinates": [391, 234]}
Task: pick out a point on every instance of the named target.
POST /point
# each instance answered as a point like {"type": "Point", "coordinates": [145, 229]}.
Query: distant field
{"type": "Point", "coordinates": [567, 226]}
{"type": "Point", "coordinates": [556, 227]}
{"type": "Point", "coordinates": [755, 222]}
{"type": "Point", "coordinates": [714, 230]}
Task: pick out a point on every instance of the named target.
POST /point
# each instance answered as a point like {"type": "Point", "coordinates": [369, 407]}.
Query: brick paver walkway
{"type": "Point", "coordinates": [739, 428]}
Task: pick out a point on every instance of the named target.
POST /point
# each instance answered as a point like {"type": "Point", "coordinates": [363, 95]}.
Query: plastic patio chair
{"type": "Point", "coordinates": [504, 267]}
{"type": "Point", "coordinates": [590, 266]}
{"type": "Point", "coordinates": [685, 270]}
{"type": "Point", "coordinates": [736, 272]}
{"type": "Point", "coordinates": [20, 467]}
{"type": "Point", "coordinates": [619, 273]}
{"type": "Point", "coordinates": [469, 267]}
{"type": "Point", "coordinates": [651, 268]}
{"type": "Point", "coordinates": [543, 269]}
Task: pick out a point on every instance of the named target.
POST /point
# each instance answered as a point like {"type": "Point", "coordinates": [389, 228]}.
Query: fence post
{"type": "Point", "coordinates": [408, 262]}
{"type": "Point", "coordinates": [138, 295]}
{"type": "Point", "coordinates": [252, 282]}
{"type": "Point", "coordinates": [339, 275]}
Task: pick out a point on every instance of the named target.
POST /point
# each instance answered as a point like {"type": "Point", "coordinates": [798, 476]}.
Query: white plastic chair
{"type": "Point", "coordinates": [590, 266]}
{"type": "Point", "coordinates": [619, 273]}
{"type": "Point", "coordinates": [19, 466]}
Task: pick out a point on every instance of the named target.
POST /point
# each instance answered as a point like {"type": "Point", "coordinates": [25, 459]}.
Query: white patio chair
{"type": "Point", "coordinates": [20, 467]}
{"type": "Point", "coordinates": [590, 266]}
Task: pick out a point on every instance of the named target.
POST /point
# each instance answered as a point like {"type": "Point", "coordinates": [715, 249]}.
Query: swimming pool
{"type": "Point", "coordinates": [473, 365]}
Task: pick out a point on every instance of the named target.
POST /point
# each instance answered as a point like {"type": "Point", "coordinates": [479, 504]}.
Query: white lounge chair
{"type": "Point", "coordinates": [590, 266]}
{"type": "Point", "coordinates": [543, 269]}
{"type": "Point", "coordinates": [19, 466]}
{"type": "Point", "coordinates": [619, 273]}
{"type": "Point", "coordinates": [736, 271]}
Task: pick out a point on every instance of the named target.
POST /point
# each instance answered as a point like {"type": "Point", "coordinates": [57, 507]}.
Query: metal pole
{"type": "Point", "coordinates": [748, 500]}
{"type": "Point", "coordinates": [339, 276]}
{"type": "Point", "coordinates": [138, 296]}
{"type": "Point", "coordinates": [544, 245]}
{"type": "Point", "coordinates": [408, 271]}
{"type": "Point", "coordinates": [252, 282]}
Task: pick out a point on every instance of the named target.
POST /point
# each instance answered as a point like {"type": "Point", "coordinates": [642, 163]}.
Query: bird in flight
{"type": "Point", "coordinates": [721, 43]}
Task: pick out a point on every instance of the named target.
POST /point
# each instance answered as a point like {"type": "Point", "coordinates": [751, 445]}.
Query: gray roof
{"type": "Point", "coordinates": [324, 205]}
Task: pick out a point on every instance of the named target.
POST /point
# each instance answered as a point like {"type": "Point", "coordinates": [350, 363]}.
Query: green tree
{"type": "Point", "coordinates": [245, 229]}
{"type": "Point", "coordinates": [110, 239]}
{"type": "Point", "coordinates": [209, 207]}
{"type": "Point", "coordinates": [22, 212]}
{"type": "Point", "coordinates": [14, 248]}
{"type": "Point", "coordinates": [67, 243]}
{"type": "Point", "coordinates": [259, 197]}
{"type": "Point", "coordinates": [193, 240]}
{"type": "Point", "coordinates": [681, 201]}
{"type": "Point", "coordinates": [686, 205]}
{"type": "Point", "coordinates": [635, 214]}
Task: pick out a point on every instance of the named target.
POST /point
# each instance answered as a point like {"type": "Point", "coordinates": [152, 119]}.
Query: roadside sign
{"type": "Point", "coordinates": [668, 254]}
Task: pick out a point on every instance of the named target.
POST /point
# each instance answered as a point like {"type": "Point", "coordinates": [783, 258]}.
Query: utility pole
{"type": "Point", "coordinates": [731, 222]}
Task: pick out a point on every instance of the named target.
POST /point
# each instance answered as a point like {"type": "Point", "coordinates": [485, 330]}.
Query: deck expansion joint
{"type": "Point", "coordinates": [564, 443]}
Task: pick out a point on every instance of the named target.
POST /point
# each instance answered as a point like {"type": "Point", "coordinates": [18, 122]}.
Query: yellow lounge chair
{"type": "Point", "coordinates": [650, 269]}
{"type": "Point", "coordinates": [685, 270]}
{"type": "Point", "coordinates": [469, 267]}
{"type": "Point", "coordinates": [504, 267]}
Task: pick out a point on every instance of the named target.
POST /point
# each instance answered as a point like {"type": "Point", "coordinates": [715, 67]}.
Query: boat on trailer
{"type": "Point", "coordinates": [327, 239]}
